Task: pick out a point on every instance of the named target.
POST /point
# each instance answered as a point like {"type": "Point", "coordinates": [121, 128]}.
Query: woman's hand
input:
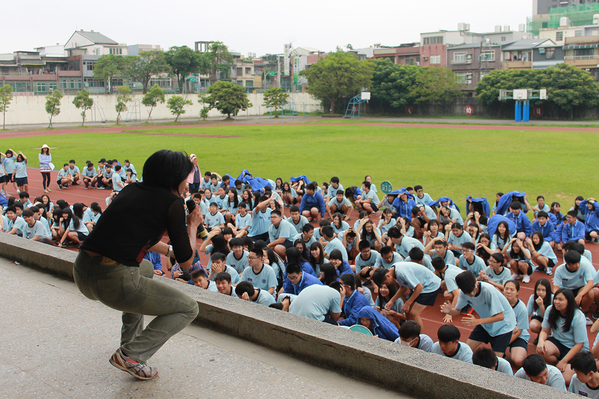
{"type": "Point", "coordinates": [195, 218]}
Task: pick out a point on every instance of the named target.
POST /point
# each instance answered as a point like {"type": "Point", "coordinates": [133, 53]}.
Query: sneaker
{"type": "Point", "coordinates": [515, 276]}
{"type": "Point", "coordinates": [526, 279]}
{"type": "Point", "coordinates": [539, 269]}
{"type": "Point", "coordinates": [595, 314]}
{"type": "Point", "coordinates": [18, 191]}
{"type": "Point", "coordinates": [549, 271]}
{"type": "Point", "coordinates": [75, 184]}
{"type": "Point", "coordinates": [466, 310]}
{"type": "Point", "coordinates": [596, 240]}
{"type": "Point", "coordinates": [136, 369]}
{"type": "Point", "coordinates": [86, 187]}
{"type": "Point", "coordinates": [60, 187]}
{"type": "Point", "coordinates": [589, 321]}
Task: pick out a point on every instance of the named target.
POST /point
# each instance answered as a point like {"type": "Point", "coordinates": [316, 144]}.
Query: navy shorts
{"type": "Point", "coordinates": [519, 343]}
{"type": "Point", "coordinates": [499, 343]}
{"type": "Point", "coordinates": [4, 179]}
{"type": "Point", "coordinates": [81, 236]}
{"type": "Point", "coordinates": [538, 318]}
{"type": "Point", "coordinates": [9, 177]}
{"type": "Point", "coordinates": [563, 349]}
{"type": "Point", "coordinates": [428, 299]}
{"type": "Point", "coordinates": [588, 234]}
{"type": "Point", "coordinates": [21, 181]}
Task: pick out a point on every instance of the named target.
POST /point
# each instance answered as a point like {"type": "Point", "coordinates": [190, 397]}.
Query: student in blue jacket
{"type": "Point", "coordinates": [519, 218]}
{"type": "Point", "coordinates": [573, 229]}
{"type": "Point", "coordinates": [354, 300]}
{"type": "Point", "coordinates": [297, 279]}
{"type": "Point", "coordinates": [378, 324]}
{"type": "Point", "coordinates": [404, 204]}
{"type": "Point", "coordinates": [590, 208]}
{"type": "Point", "coordinates": [312, 203]}
{"type": "Point", "coordinates": [545, 226]}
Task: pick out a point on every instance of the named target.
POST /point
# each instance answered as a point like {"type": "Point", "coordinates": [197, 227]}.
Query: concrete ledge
{"type": "Point", "coordinates": [376, 361]}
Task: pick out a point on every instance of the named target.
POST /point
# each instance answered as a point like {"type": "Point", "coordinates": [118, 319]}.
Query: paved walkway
{"type": "Point", "coordinates": [55, 343]}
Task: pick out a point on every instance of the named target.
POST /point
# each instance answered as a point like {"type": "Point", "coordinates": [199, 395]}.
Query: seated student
{"type": "Point", "coordinates": [339, 204]}
{"type": "Point", "coordinates": [237, 258]}
{"type": "Point", "coordinates": [218, 265]}
{"type": "Point", "coordinates": [409, 335]}
{"type": "Point", "coordinates": [545, 226]}
{"type": "Point", "coordinates": [485, 357]}
{"type": "Point", "coordinates": [297, 220]}
{"type": "Point", "coordinates": [403, 244]}
{"type": "Point", "coordinates": [522, 222]}
{"type": "Point", "coordinates": [564, 332]}
{"type": "Point", "coordinates": [495, 274]}
{"type": "Point", "coordinates": [417, 256]}
{"type": "Point", "coordinates": [369, 201]}
{"type": "Point", "coordinates": [214, 218]}
{"type": "Point", "coordinates": [497, 319]}
{"type": "Point", "coordinates": [349, 239]}
{"type": "Point", "coordinates": [536, 370]}
{"type": "Point", "coordinates": [447, 273]}
{"type": "Point", "coordinates": [423, 283]}
{"type": "Point", "coordinates": [469, 261]}
{"type": "Point", "coordinates": [74, 172]}
{"type": "Point", "coordinates": [280, 233]}
{"type": "Point", "coordinates": [215, 182]}
{"type": "Point", "coordinates": [231, 205]}
{"type": "Point", "coordinates": [420, 220]}
{"type": "Point", "coordinates": [520, 336]}
{"type": "Point", "coordinates": [573, 229]}
{"type": "Point", "coordinates": [368, 231]}
{"type": "Point", "coordinates": [387, 202]}
{"type": "Point", "coordinates": [76, 232]}
{"type": "Point", "coordinates": [387, 258]}
{"type": "Point", "coordinates": [297, 280]}
{"type": "Point", "coordinates": [34, 230]}
{"type": "Point", "coordinates": [590, 208]}
{"type": "Point", "coordinates": [541, 206]}
{"type": "Point", "coordinates": [205, 182]}
{"type": "Point", "coordinates": [449, 344]}
{"type": "Point", "coordinates": [107, 176]}
{"type": "Point", "coordinates": [24, 199]}
{"type": "Point", "coordinates": [246, 291]}
{"type": "Point", "coordinates": [341, 266]}
{"type": "Point", "coordinates": [421, 197]}
{"type": "Point", "coordinates": [519, 259]}
{"type": "Point", "coordinates": [243, 221]}
{"type": "Point", "coordinates": [306, 235]}
{"type": "Point", "coordinates": [117, 181]}
{"type": "Point", "coordinates": [199, 279]}
{"type": "Point", "coordinates": [378, 324]}
{"type": "Point", "coordinates": [578, 277]}
{"type": "Point", "coordinates": [319, 302]}
{"type": "Point", "coordinates": [63, 179]}
{"type": "Point", "coordinates": [88, 175]}
{"type": "Point", "coordinates": [312, 204]}
{"type": "Point", "coordinates": [338, 225]}
{"type": "Point", "coordinates": [333, 243]}
{"type": "Point", "coordinates": [220, 198]}
{"type": "Point", "coordinates": [354, 301]}
{"type": "Point", "coordinates": [259, 274]}
{"type": "Point", "coordinates": [223, 284]}
{"type": "Point", "coordinates": [541, 253]}
{"type": "Point", "coordinates": [456, 238]}
{"type": "Point", "coordinates": [15, 224]}
{"type": "Point", "coordinates": [332, 188]}
{"type": "Point", "coordinates": [385, 294]}
{"type": "Point", "coordinates": [538, 304]}
{"type": "Point", "coordinates": [585, 381]}
{"type": "Point", "coordinates": [440, 249]}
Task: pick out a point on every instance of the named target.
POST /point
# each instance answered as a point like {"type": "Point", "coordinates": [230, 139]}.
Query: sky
{"type": "Point", "coordinates": [254, 26]}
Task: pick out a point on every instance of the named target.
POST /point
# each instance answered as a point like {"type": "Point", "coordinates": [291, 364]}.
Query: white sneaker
{"type": "Point", "coordinates": [526, 279]}
{"type": "Point", "coordinates": [515, 276]}
{"type": "Point", "coordinates": [589, 321]}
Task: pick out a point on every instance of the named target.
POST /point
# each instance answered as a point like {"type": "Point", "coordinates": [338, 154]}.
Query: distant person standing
{"type": "Point", "coordinates": [45, 160]}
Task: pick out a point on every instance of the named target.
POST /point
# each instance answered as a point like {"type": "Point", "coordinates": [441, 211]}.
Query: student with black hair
{"type": "Point", "coordinates": [576, 208]}
{"type": "Point", "coordinates": [339, 225]}
{"type": "Point", "coordinates": [485, 357]}
{"type": "Point", "coordinates": [387, 258]}
{"type": "Point", "coordinates": [296, 279]}
{"type": "Point", "coordinates": [76, 232]}
{"type": "Point", "coordinates": [545, 226]}
{"type": "Point", "coordinates": [496, 273]}
{"type": "Point", "coordinates": [246, 291]}
{"type": "Point", "coordinates": [237, 258]}
{"type": "Point", "coordinates": [223, 284]}
{"type": "Point", "coordinates": [541, 253]}
{"type": "Point", "coordinates": [280, 233]}
{"type": "Point", "coordinates": [421, 198]}
{"type": "Point", "coordinates": [573, 229]}
{"type": "Point", "coordinates": [297, 220]}
{"type": "Point", "coordinates": [341, 266]}
{"type": "Point", "coordinates": [378, 324]}
{"type": "Point", "coordinates": [200, 279]}
{"type": "Point", "coordinates": [403, 244]}
{"type": "Point", "coordinates": [590, 208]}
{"type": "Point", "coordinates": [328, 274]}
{"type": "Point", "coordinates": [457, 237]}
{"type": "Point", "coordinates": [34, 230]}
{"type": "Point", "coordinates": [339, 204]}
{"type": "Point", "coordinates": [416, 255]}
{"type": "Point", "coordinates": [312, 204]}
{"type": "Point", "coordinates": [536, 370]}
{"type": "Point", "coordinates": [354, 300]}
{"type": "Point", "coordinates": [409, 335]}
{"type": "Point", "coordinates": [218, 265]}
{"type": "Point", "coordinates": [523, 224]}
{"type": "Point", "coordinates": [519, 259]}
{"type": "Point", "coordinates": [368, 201]}
{"type": "Point", "coordinates": [333, 243]}
{"type": "Point", "coordinates": [306, 235]}
{"type": "Point", "coordinates": [447, 273]}
{"type": "Point", "coordinates": [497, 319]}
{"type": "Point", "coordinates": [366, 257]}
{"type": "Point", "coordinates": [585, 381]}
{"type": "Point", "coordinates": [469, 261]}
{"type": "Point", "coordinates": [259, 274]}
{"type": "Point", "coordinates": [449, 344]}
{"type": "Point", "coordinates": [520, 336]}
{"type": "Point", "coordinates": [438, 247]}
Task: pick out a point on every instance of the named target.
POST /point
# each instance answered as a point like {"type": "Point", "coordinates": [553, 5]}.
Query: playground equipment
{"type": "Point", "coordinates": [522, 99]}
{"type": "Point", "coordinates": [354, 105]}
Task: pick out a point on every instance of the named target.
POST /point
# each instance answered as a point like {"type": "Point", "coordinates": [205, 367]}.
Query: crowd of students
{"type": "Point", "coordinates": [382, 270]}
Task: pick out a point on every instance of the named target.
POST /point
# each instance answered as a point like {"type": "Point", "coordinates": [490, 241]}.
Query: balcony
{"type": "Point", "coordinates": [581, 40]}
{"type": "Point", "coordinates": [582, 61]}
{"type": "Point", "coordinates": [461, 62]}
{"type": "Point", "coordinates": [516, 65]}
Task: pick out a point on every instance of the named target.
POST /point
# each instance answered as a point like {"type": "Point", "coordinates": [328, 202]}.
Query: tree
{"type": "Point", "coordinates": [111, 65]}
{"type": "Point", "coordinates": [275, 98]}
{"type": "Point", "coordinates": [391, 85]}
{"type": "Point", "coordinates": [121, 101]}
{"type": "Point", "coordinates": [436, 84]}
{"type": "Point", "coordinates": [152, 98]}
{"type": "Point", "coordinates": [338, 75]}
{"type": "Point", "coordinates": [83, 102]}
{"type": "Point", "coordinates": [184, 61]}
{"type": "Point", "coordinates": [53, 104]}
{"type": "Point", "coordinates": [177, 105]}
{"type": "Point", "coordinates": [226, 97]}
{"type": "Point", "coordinates": [148, 64]}
{"type": "Point", "coordinates": [204, 113]}
{"type": "Point", "coordinates": [5, 99]}
{"type": "Point", "coordinates": [218, 58]}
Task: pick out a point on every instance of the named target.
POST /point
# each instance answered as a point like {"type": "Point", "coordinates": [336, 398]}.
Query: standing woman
{"type": "Point", "coordinates": [21, 173]}
{"type": "Point", "coordinates": [45, 169]}
{"type": "Point", "coordinates": [113, 270]}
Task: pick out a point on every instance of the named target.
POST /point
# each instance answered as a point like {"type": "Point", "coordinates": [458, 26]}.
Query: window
{"type": "Point", "coordinates": [433, 40]}
{"type": "Point", "coordinates": [117, 51]}
{"type": "Point", "coordinates": [488, 56]}
{"type": "Point", "coordinates": [483, 74]}
{"type": "Point", "coordinates": [410, 61]}
{"type": "Point", "coordinates": [249, 83]}
{"type": "Point", "coordinates": [248, 71]}
{"type": "Point", "coordinates": [549, 53]}
{"type": "Point", "coordinates": [45, 87]}
{"type": "Point", "coordinates": [504, 38]}
{"type": "Point", "coordinates": [90, 82]}
{"type": "Point", "coordinates": [435, 59]}
{"type": "Point", "coordinates": [239, 71]}
{"type": "Point", "coordinates": [583, 52]}
{"type": "Point", "coordinates": [458, 58]}
{"type": "Point", "coordinates": [461, 77]}
{"type": "Point", "coordinates": [559, 36]}
{"type": "Point", "coordinates": [578, 33]}
{"type": "Point", "coordinates": [89, 66]}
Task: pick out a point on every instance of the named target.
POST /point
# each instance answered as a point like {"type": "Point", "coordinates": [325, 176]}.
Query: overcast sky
{"type": "Point", "coordinates": [251, 26]}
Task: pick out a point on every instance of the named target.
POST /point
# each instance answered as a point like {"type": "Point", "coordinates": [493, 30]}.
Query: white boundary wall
{"type": "Point", "coordinates": [31, 109]}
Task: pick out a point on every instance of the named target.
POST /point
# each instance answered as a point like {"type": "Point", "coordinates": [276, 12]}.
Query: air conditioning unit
{"type": "Point", "coordinates": [417, 63]}
{"type": "Point", "coordinates": [468, 56]}
{"type": "Point", "coordinates": [425, 58]}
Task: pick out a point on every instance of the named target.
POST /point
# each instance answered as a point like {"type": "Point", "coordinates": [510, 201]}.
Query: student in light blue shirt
{"type": "Point", "coordinates": [497, 319]}
{"type": "Point", "coordinates": [205, 182]}
{"type": "Point", "coordinates": [15, 224]}
{"type": "Point", "coordinates": [369, 201]}
{"type": "Point", "coordinates": [218, 265]}
{"type": "Point", "coordinates": [334, 186]}
{"type": "Point", "coordinates": [318, 302]}
{"type": "Point", "coordinates": [409, 335]}
{"type": "Point", "coordinates": [367, 256]}
{"type": "Point", "coordinates": [416, 255]}
{"type": "Point", "coordinates": [297, 220]}
{"type": "Point", "coordinates": [34, 230]}
{"type": "Point", "coordinates": [339, 204]}
{"type": "Point", "coordinates": [536, 370]}
{"type": "Point", "coordinates": [520, 336]}
{"type": "Point", "coordinates": [246, 291]}
{"type": "Point", "coordinates": [20, 173]}
{"type": "Point", "coordinates": [469, 261]}
{"type": "Point", "coordinates": [387, 258]}
{"type": "Point", "coordinates": [456, 238]}
{"type": "Point", "coordinates": [586, 380]}
{"type": "Point", "coordinates": [421, 198]}
{"type": "Point", "coordinates": [224, 285]}
{"type": "Point", "coordinates": [449, 344]}
{"type": "Point", "coordinates": [199, 279]}
{"type": "Point", "coordinates": [541, 252]}
{"type": "Point", "coordinates": [259, 274]}
{"type": "Point", "coordinates": [333, 243]}
{"type": "Point", "coordinates": [8, 162]}
{"type": "Point", "coordinates": [280, 233]}
{"type": "Point", "coordinates": [237, 258]}
{"type": "Point", "coordinates": [261, 219]}
{"type": "Point", "coordinates": [214, 218]}
{"type": "Point", "coordinates": [440, 249]}
{"type": "Point", "coordinates": [230, 205]}
{"type": "Point", "coordinates": [485, 357]}
{"type": "Point", "coordinates": [447, 273]}
{"type": "Point", "coordinates": [495, 274]}
{"type": "Point", "coordinates": [403, 243]}
{"type": "Point", "coordinates": [117, 181]}
{"type": "Point", "coordinates": [338, 225]}
{"type": "Point", "coordinates": [386, 222]}
{"type": "Point", "coordinates": [243, 221]}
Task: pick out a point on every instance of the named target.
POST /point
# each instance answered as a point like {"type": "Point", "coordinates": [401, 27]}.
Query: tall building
{"type": "Point", "coordinates": [545, 6]}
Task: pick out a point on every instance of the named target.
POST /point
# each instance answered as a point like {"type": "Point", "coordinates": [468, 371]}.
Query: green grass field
{"type": "Point", "coordinates": [452, 162]}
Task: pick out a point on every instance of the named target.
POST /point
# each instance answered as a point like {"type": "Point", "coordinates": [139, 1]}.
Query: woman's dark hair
{"type": "Point", "coordinates": [293, 255]}
{"type": "Point", "coordinates": [555, 314]}
{"type": "Point", "coordinates": [547, 300]}
{"type": "Point", "coordinates": [62, 204]}
{"type": "Point", "coordinates": [45, 148]}
{"type": "Point", "coordinates": [392, 291]}
{"type": "Point", "coordinates": [20, 158]}
{"type": "Point", "coordinates": [69, 217]}
{"type": "Point", "coordinates": [365, 234]}
{"type": "Point", "coordinates": [576, 206]}
{"type": "Point", "coordinates": [541, 240]}
{"type": "Point", "coordinates": [272, 259]}
{"type": "Point", "coordinates": [286, 190]}
{"type": "Point", "coordinates": [56, 213]}
{"type": "Point", "coordinates": [78, 209]}
{"type": "Point", "coordinates": [95, 207]}
{"type": "Point", "coordinates": [329, 272]}
{"type": "Point", "coordinates": [219, 244]}
{"type": "Point", "coordinates": [304, 249]}
{"type": "Point", "coordinates": [11, 201]}
{"type": "Point", "coordinates": [320, 260]}
{"type": "Point", "coordinates": [481, 252]}
{"type": "Point", "coordinates": [166, 169]}
{"type": "Point", "coordinates": [235, 198]}
{"type": "Point", "coordinates": [466, 281]}
{"type": "Point", "coordinates": [249, 201]}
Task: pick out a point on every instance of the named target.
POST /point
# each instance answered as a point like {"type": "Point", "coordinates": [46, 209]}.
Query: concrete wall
{"type": "Point", "coordinates": [31, 109]}
{"type": "Point", "coordinates": [374, 360]}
